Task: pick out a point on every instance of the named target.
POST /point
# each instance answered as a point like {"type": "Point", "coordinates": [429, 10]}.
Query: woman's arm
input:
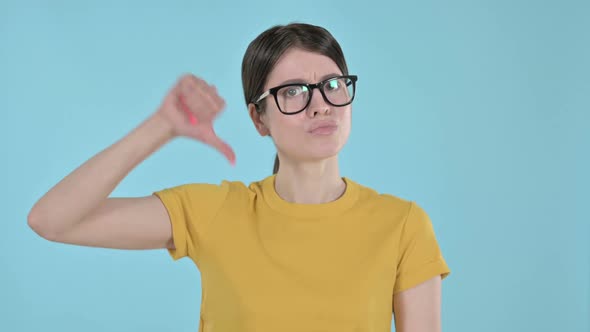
{"type": "Point", "coordinates": [78, 209]}
{"type": "Point", "coordinates": [418, 309]}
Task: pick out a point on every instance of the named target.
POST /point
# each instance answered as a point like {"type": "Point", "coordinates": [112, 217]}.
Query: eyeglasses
{"type": "Point", "coordinates": [295, 97]}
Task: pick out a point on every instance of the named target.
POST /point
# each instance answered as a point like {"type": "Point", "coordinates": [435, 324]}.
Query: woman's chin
{"type": "Point", "coordinates": [323, 153]}
{"type": "Point", "coordinates": [316, 151]}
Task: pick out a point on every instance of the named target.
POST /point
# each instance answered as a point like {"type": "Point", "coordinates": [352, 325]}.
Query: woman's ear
{"type": "Point", "coordinates": [258, 120]}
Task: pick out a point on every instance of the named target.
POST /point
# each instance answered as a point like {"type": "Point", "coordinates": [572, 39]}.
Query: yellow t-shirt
{"type": "Point", "coordinates": [269, 265]}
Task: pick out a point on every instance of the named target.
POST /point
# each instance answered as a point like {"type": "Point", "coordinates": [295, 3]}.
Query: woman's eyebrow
{"type": "Point", "coordinates": [300, 80]}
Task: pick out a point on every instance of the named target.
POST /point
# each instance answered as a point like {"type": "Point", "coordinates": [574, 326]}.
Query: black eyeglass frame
{"type": "Point", "coordinates": [273, 91]}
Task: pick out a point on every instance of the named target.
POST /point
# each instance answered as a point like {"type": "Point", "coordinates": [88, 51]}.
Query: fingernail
{"type": "Point", "coordinates": [191, 116]}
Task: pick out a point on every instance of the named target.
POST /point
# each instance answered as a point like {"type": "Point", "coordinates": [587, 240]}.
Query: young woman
{"type": "Point", "coordinates": [303, 249]}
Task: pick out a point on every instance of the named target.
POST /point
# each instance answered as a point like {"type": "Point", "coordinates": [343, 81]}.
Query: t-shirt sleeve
{"type": "Point", "coordinates": [420, 257]}
{"type": "Point", "coordinates": [191, 208]}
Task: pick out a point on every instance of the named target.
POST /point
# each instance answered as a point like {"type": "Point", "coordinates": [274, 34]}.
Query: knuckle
{"type": "Point", "coordinates": [185, 77]}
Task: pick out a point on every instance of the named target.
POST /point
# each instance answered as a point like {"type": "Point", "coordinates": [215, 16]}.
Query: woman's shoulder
{"type": "Point", "coordinates": [368, 192]}
{"type": "Point", "coordinates": [379, 198]}
{"type": "Point", "coordinates": [221, 185]}
{"type": "Point", "coordinates": [206, 187]}
{"type": "Point", "coordinates": [387, 203]}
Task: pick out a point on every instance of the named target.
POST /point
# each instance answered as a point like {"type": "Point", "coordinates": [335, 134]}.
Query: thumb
{"type": "Point", "coordinates": [221, 146]}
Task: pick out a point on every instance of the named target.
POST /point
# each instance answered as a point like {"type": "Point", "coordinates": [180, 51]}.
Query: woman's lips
{"type": "Point", "coordinates": [325, 130]}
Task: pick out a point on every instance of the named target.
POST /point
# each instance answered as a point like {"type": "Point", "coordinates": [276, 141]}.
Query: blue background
{"type": "Point", "coordinates": [477, 110]}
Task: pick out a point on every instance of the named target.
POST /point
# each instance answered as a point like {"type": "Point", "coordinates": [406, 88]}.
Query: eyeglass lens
{"type": "Point", "coordinates": [294, 98]}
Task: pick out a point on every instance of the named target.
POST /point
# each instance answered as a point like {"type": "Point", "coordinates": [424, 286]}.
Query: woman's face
{"type": "Point", "coordinates": [292, 134]}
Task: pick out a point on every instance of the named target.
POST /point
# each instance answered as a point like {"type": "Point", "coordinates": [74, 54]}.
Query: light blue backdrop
{"type": "Point", "coordinates": [478, 110]}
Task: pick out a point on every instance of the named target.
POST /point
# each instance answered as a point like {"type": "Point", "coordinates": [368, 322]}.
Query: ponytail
{"type": "Point", "coordinates": [276, 166]}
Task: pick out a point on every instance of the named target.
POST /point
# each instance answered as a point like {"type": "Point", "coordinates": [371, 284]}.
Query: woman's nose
{"type": "Point", "coordinates": [317, 103]}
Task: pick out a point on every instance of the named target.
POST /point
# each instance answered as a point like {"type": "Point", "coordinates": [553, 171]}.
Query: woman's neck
{"type": "Point", "coordinates": [310, 183]}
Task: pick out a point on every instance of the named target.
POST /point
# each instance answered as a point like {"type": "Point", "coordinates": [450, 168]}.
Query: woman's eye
{"type": "Point", "coordinates": [293, 91]}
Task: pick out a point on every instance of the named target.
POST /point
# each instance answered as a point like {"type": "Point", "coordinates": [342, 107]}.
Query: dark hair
{"type": "Point", "coordinates": [263, 53]}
